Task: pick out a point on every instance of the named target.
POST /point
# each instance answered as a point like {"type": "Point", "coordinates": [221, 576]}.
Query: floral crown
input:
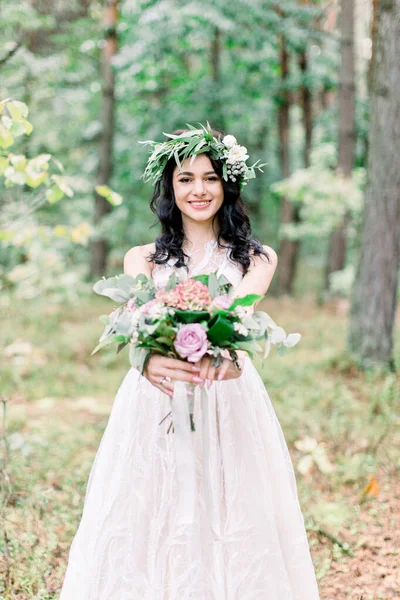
{"type": "Point", "coordinates": [197, 141]}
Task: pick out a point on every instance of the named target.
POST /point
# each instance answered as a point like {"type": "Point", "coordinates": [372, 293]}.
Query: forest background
{"type": "Point", "coordinates": [312, 88]}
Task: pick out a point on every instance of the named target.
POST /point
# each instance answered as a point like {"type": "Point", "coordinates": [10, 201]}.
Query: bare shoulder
{"type": "Point", "coordinates": [272, 255]}
{"type": "Point", "coordinates": [261, 259]}
{"type": "Point", "coordinates": [136, 260]}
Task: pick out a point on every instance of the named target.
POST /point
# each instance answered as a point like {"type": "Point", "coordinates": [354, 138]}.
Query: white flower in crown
{"type": "Point", "coordinates": [237, 154]}
{"type": "Point", "coordinates": [229, 141]}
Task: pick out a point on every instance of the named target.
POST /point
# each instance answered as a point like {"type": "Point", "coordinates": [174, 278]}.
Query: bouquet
{"type": "Point", "coordinates": [187, 319]}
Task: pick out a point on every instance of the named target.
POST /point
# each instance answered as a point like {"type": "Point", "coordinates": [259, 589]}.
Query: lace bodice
{"type": "Point", "coordinates": [214, 259]}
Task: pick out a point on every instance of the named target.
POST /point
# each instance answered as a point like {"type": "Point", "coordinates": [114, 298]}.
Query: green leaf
{"type": "Point", "coordinates": [60, 182]}
{"type": "Point", "coordinates": [121, 346]}
{"type": "Point", "coordinates": [164, 340]}
{"type": "Point", "coordinates": [4, 162]}
{"type": "Point", "coordinates": [281, 350]}
{"type": "Point", "coordinates": [172, 282]}
{"type": "Point", "coordinates": [112, 197]}
{"type": "Point", "coordinates": [54, 194]}
{"type": "Point", "coordinates": [110, 340]}
{"type": "Point", "coordinates": [223, 281]}
{"type": "Point", "coordinates": [6, 139]}
{"type": "Point", "coordinates": [189, 316]}
{"type": "Point", "coordinates": [17, 110]}
{"type": "Point", "coordinates": [213, 286]}
{"type": "Point", "coordinates": [202, 278]}
{"type": "Point", "coordinates": [245, 301]}
{"type": "Point", "coordinates": [219, 330]}
{"type": "Point", "coordinates": [119, 288]}
{"type": "Point", "coordinates": [40, 162]}
{"type": "Point", "coordinates": [249, 346]}
{"type": "Point", "coordinates": [34, 179]}
{"type": "Point", "coordinates": [138, 357]}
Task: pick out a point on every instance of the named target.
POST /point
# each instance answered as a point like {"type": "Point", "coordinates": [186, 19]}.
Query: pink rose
{"type": "Point", "coordinates": [223, 302]}
{"type": "Point", "coordinates": [191, 342]}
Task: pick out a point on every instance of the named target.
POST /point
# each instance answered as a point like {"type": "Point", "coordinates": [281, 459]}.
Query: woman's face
{"type": "Point", "coordinates": [198, 189]}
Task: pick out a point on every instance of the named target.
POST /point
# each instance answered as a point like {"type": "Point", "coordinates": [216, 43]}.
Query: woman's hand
{"type": "Point", "coordinates": [162, 372]}
{"type": "Point", "coordinates": [209, 373]}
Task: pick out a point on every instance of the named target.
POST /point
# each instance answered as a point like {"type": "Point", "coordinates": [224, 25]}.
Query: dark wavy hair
{"type": "Point", "coordinates": [234, 225]}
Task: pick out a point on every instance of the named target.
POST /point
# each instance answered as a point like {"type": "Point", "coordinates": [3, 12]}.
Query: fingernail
{"type": "Point", "coordinates": [196, 379]}
{"type": "Point", "coordinates": [209, 383]}
{"type": "Point", "coordinates": [220, 376]}
{"type": "Point", "coordinates": [196, 369]}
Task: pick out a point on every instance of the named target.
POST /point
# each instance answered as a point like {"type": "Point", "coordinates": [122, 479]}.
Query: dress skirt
{"type": "Point", "coordinates": [247, 540]}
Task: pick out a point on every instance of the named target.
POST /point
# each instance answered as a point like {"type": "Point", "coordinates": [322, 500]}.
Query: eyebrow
{"type": "Point", "coordinates": [190, 173]}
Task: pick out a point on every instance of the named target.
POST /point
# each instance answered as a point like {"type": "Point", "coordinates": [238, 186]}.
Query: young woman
{"type": "Point", "coordinates": [247, 539]}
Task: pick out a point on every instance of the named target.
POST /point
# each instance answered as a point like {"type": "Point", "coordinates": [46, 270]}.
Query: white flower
{"type": "Point", "coordinates": [157, 310]}
{"type": "Point", "coordinates": [237, 154]}
{"type": "Point", "coordinates": [241, 329]}
{"type": "Point", "coordinates": [240, 311]}
{"type": "Point", "coordinates": [229, 141]}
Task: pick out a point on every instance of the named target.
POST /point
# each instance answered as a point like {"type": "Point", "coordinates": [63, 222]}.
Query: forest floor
{"type": "Point", "coordinates": [340, 423]}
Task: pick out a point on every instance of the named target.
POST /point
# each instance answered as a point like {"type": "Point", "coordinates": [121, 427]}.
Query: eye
{"type": "Point", "coordinates": [212, 178]}
{"type": "Point", "coordinates": [184, 180]}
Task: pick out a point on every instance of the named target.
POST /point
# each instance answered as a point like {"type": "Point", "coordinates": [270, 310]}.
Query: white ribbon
{"type": "Point", "coordinates": [211, 478]}
{"type": "Point", "coordinates": [181, 407]}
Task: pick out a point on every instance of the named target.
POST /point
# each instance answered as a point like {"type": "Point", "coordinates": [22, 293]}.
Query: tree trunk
{"type": "Point", "coordinates": [375, 290]}
{"type": "Point", "coordinates": [338, 242]}
{"type": "Point", "coordinates": [306, 102]}
{"type": "Point", "coordinates": [99, 246]}
{"type": "Point", "coordinates": [288, 250]}
{"type": "Point", "coordinates": [216, 109]}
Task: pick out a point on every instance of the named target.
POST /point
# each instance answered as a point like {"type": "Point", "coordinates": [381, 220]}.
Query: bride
{"type": "Point", "coordinates": [247, 539]}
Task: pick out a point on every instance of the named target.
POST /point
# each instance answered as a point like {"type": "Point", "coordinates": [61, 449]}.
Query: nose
{"type": "Point", "coordinates": [198, 188]}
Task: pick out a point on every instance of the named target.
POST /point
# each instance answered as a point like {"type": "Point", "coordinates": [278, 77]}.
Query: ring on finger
{"type": "Point", "coordinates": [163, 380]}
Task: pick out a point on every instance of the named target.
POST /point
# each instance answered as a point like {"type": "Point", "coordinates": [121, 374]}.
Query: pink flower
{"type": "Point", "coordinates": [190, 294]}
{"type": "Point", "coordinates": [145, 309]}
{"type": "Point", "coordinates": [223, 302]}
{"type": "Point", "coordinates": [131, 304]}
{"type": "Point", "coordinates": [191, 342]}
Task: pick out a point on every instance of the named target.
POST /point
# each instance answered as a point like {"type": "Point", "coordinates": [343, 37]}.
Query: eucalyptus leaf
{"type": "Point", "coordinates": [121, 346]}
{"type": "Point", "coordinates": [138, 357]}
{"type": "Point", "coordinates": [277, 335]}
{"type": "Point", "coordinates": [119, 288]}
{"type": "Point", "coordinates": [213, 286]}
{"type": "Point", "coordinates": [281, 350]}
{"type": "Point", "coordinates": [172, 282]}
{"type": "Point", "coordinates": [108, 341]}
{"type": "Point", "coordinates": [291, 340]}
{"type": "Point", "coordinates": [249, 347]}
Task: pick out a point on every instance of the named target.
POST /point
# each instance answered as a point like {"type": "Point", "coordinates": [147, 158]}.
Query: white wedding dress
{"type": "Point", "coordinates": [247, 540]}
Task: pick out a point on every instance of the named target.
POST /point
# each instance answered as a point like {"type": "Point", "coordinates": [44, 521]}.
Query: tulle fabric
{"type": "Point", "coordinates": [247, 541]}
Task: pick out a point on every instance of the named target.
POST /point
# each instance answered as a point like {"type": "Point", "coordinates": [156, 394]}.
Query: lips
{"type": "Point", "coordinates": [199, 203]}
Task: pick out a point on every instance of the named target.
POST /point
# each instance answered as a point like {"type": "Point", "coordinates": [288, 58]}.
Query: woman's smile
{"type": "Point", "coordinates": [198, 204]}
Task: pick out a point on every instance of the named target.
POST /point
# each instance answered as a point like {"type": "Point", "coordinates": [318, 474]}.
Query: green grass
{"type": "Point", "coordinates": [56, 402]}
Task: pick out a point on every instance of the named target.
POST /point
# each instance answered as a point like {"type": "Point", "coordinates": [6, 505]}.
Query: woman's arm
{"type": "Point", "coordinates": [256, 281]}
{"type": "Point", "coordinates": [259, 275]}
